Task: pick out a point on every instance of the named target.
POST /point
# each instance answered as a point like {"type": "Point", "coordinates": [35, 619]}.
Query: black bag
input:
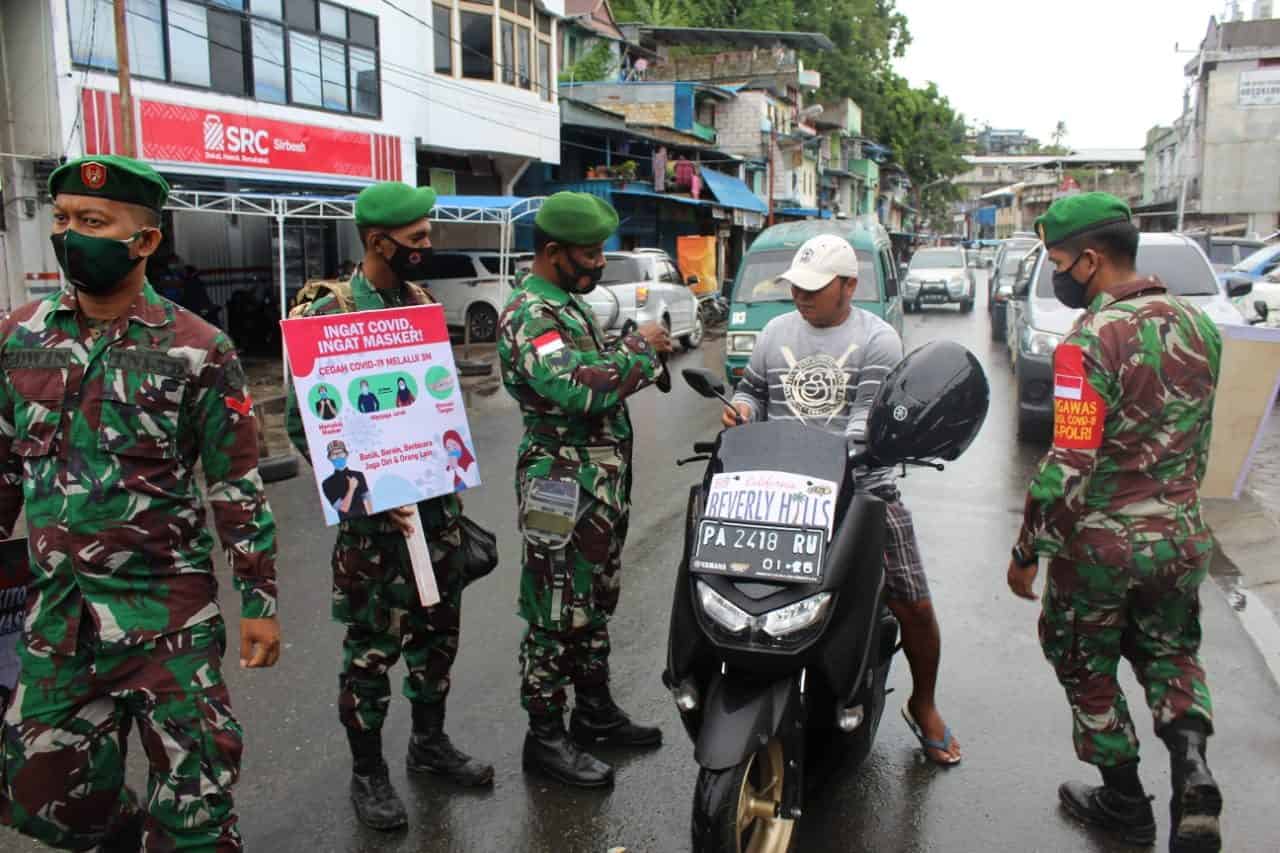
{"type": "Point", "coordinates": [479, 550]}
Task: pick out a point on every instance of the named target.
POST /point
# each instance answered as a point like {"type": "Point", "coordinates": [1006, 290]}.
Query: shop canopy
{"type": "Point", "coordinates": [732, 192]}
{"type": "Point", "coordinates": [501, 211]}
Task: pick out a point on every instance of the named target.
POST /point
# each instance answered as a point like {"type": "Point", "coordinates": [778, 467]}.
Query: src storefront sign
{"type": "Point", "coordinates": [172, 133]}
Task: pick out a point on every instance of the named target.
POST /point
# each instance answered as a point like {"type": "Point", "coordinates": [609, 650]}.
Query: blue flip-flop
{"type": "Point", "coordinates": [926, 744]}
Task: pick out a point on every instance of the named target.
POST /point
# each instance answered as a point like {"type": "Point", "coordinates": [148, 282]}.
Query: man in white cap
{"type": "Point", "coordinates": [821, 365]}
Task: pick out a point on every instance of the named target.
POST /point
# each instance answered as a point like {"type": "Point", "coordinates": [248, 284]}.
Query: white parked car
{"type": "Point", "coordinates": [467, 283]}
{"type": "Point", "coordinates": [649, 289]}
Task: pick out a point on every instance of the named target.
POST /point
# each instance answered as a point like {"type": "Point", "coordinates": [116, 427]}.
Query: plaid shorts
{"type": "Point", "coordinates": [903, 570]}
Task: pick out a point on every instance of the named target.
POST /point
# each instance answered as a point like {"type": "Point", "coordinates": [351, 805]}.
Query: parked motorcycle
{"type": "Point", "coordinates": [714, 310]}
{"type": "Point", "coordinates": [780, 640]}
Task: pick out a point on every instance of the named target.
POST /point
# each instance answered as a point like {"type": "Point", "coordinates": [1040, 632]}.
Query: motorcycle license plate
{"type": "Point", "coordinates": [760, 551]}
{"type": "Point", "coordinates": [935, 297]}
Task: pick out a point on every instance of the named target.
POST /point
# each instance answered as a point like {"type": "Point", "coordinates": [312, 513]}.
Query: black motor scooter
{"type": "Point", "coordinates": [780, 639]}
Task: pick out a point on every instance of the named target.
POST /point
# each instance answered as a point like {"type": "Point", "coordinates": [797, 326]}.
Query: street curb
{"type": "Point", "coordinates": [1248, 572]}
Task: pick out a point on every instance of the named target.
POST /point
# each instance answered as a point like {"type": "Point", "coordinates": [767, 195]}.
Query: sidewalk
{"type": "Point", "coordinates": [1247, 565]}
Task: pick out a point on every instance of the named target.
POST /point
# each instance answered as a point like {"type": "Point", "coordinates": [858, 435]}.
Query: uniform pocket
{"type": "Point", "coordinates": [141, 404]}
{"type": "Point", "coordinates": [39, 381]}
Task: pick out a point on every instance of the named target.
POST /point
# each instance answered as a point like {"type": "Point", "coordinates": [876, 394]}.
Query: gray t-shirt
{"type": "Point", "coordinates": [825, 378]}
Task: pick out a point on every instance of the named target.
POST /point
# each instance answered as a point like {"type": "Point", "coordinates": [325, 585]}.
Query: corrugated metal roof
{"type": "Point", "coordinates": [732, 192]}
{"type": "Point", "coordinates": [699, 37]}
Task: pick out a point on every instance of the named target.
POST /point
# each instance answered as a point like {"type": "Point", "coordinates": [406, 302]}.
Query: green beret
{"type": "Point", "coordinates": [577, 219]}
{"type": "Point", "coordinates": [1077, 214]}
{"type": "Point", "coordinates": [112, 177]}
{"type": "Point", "coordinates": [392, 204]}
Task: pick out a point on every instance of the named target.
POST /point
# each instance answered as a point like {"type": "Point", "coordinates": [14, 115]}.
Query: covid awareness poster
{"type": "Point", "coordinates": [382, 409]}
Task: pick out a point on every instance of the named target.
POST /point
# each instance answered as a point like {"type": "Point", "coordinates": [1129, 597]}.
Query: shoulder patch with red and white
{"type": "Point", "coordinates": [548, 343]}
{"type": "Point", "coordinates": [1079, 412]}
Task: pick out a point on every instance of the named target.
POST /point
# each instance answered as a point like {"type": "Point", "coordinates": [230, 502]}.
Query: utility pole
{"type": "Point", "coordinates": [127, 144]}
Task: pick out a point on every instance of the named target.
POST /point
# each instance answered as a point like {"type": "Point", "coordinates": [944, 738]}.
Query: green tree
{"type": "Point", "coordinates": [659, 13]}
{"type": "Point", "coordinates": [597, 64]}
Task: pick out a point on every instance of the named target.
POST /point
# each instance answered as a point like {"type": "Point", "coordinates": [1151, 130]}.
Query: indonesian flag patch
{"type": "Point", "coordinates": [547, 344]}
{"type": "Point", "coordinates": [1079, 411]}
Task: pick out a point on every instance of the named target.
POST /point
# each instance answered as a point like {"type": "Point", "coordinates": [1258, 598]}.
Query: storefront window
{"type": "Point", "coordinates": [238, 47]}
{"type": "Point", "coordinates": [333, 20]}
{"type": "Point", "coordinates": [268, 63]}
{"type": "Point", "coordinates": [364, 82]}
{"type": "Point", "coordinates": [508, 53]}
{"type": "Point", "coordinates": [304, 77]}
{"type": "Point", "coordinates": [268, 8]}
{"type": "Point", "coordinates": [189, 43]}
{"type": "Point", "coordinates": [146, 38]}
{"type": "Point", "coordinates": [544, 70]}
{"type": "Point", "coordinates": [522, 52]}
{"type": "Point", "coordinates": [226, 53]}
{"type": "Point", "coordinates": [442, 24]}
{"type": "Point", "coordinates": [477, 46]}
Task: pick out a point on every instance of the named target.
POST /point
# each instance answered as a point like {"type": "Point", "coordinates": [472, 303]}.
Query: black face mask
{"type": "Point", "coordinates": [1070, 292]}
{"type": "Point", "coordinates": [577, 272]}
{"type": "Point", "coordinates": [408, 263]}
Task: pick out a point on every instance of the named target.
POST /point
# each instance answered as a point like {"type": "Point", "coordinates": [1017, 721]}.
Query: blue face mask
{"type": "Point", "coordinates": [456, 454]}
{"type": "Point", "coordinates": [340, 463]}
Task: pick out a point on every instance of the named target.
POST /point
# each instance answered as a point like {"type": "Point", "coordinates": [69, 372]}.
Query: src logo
{"type": "Point", "coordinates": [220, 138]}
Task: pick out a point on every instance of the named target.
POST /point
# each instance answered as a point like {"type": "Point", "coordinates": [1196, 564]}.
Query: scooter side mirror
{"type": "Point", "coordinates": [1263, 310]}
{"type": "Point", "coordinates": [704, 382]}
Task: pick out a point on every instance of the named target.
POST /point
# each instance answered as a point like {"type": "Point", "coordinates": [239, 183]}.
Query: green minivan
{"type": "Point", "coordinates": [758, 296]}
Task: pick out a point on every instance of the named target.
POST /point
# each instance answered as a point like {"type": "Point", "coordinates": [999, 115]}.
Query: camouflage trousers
{"type": "Point", "coordinates": [375, 596]}
{"type": "Point", "coordinates": [567, 596]}
{"type": "Point", "coordinates": [65, 739]}
{"type": "Point", "coordinates": [1094, 615]}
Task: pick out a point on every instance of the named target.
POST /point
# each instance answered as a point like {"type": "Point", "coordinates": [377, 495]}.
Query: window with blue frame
{"type": "Point", "coordinates": [309, 53]}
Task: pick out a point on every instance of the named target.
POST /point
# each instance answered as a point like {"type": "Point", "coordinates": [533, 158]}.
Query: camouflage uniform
{"type": "Point", "coordinates": [572, 392]}
{"type": "Point", "coordinates": [374, 593]}
{"type": "Point", "coordinates": [100, 434]}
{"type": "Point", "coordinates": [1115, 504]}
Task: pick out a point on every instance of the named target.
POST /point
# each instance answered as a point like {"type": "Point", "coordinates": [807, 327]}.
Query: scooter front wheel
{"type": "Point", "coordinates": [739, 810]}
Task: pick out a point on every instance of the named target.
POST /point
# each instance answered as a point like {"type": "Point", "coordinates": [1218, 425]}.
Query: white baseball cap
{"type": "Point", "coordinates": [821, 259]}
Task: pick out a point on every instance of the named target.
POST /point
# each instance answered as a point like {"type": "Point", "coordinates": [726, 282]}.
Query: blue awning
{"type": "Point", "coordinates": [732, 192]}
{"type": "Point", "coordinates": [811, 212]}
{"type": "Point", "coordinates": [479, 202]}
{"type": "Point", "coordinates": [641, 190]}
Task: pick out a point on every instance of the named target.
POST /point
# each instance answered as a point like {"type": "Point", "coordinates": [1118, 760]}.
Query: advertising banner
{"type": "Point", "coordinates": [382, 409]}
{"type": "Point", "coordinates": [176, 133]}
{"type": "Point", "coordinates": [697, 256]}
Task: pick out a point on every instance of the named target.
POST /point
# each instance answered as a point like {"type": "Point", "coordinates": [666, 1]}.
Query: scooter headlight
{"type": "Point", "coordinates": [796, 617]}
{"type": "Point", "coordinates": [724, 612]}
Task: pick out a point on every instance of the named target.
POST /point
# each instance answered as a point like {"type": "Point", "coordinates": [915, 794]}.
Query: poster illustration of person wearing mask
{"type": "Point", "coordinates": [458, 460]}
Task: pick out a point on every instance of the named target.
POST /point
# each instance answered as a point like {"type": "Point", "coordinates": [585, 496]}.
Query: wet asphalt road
{"type": "Point", "coordinates": [996, 690]}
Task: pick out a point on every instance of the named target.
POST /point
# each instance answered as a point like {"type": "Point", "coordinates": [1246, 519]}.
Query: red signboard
{"type": "Point", "coordinates": [172, 133]}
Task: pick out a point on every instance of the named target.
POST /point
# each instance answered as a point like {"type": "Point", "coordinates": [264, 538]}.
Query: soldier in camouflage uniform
{"type": "Point", "coordinates": [374, 593]}
{"type": "Point", "coordinates": [109, 397]}
{"type": "Point", "coordinates": [573, 485]}
{"type": "Point", "coordinates": [1115, 506]}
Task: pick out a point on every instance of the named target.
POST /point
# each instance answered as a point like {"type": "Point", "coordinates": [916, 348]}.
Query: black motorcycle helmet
{"type": "Point", "coordinates": [931, 405]}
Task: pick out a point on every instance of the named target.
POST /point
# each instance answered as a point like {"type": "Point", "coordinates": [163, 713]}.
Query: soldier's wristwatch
{"type": "Point", "coordinates": [1022, 558]}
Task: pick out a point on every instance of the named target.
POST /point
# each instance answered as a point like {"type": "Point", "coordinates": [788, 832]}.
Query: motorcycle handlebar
{"type": "Point", "coordinates": [704, 447]}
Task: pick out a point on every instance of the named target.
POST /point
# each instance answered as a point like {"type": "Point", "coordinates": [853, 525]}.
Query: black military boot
{"type": "Point", "coordinates": [125, 836]}
{"type": "Point", "coordinates": [598, 720]}
{"type": "Point", "coordinates": [1196, 802]}
{"type": "Point", "coordinates": [377, 804]}
{"type": "Point", "coordinates": [1118, 805]}
{"type": "Point", "coordinates": [431, 751]}
{"type": "Point", "coordinates": [548, 749]}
